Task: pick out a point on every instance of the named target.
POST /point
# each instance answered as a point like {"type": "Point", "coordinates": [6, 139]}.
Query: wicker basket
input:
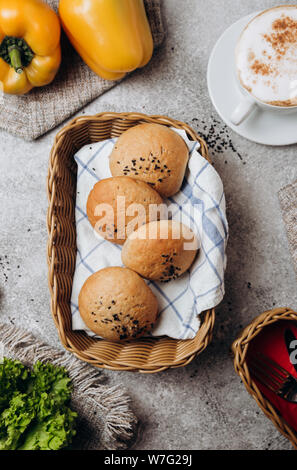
{"type": "Point", "coordinates": [240, 349]}
{"type": "Point", "coordinates": [147, 355]}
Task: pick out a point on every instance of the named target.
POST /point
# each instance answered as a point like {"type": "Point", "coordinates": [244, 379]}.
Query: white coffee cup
{"type": "Point", "coordinates": [248, 103]}
{"type": "Point", "coordinates": [254, 34]}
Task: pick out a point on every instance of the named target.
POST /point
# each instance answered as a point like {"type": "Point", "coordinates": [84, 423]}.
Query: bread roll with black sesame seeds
{"type": "Point", "coordinates": [113, 222]}
{"type": "Point", "coordinates": [152, 153]}
{"type": "Point", "coordinates": [116, 304]}
{"type": "Point", "coordinates": [161, 250]}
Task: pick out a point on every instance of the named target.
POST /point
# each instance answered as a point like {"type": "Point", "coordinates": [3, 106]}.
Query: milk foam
{"type": "Point", "coordinates": [266, 56]}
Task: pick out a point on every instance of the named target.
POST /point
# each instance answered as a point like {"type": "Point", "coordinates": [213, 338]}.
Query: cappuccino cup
{"type": "Point", "coordinates": [266, 63]}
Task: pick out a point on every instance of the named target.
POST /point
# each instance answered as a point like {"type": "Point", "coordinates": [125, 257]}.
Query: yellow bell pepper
{"type": "Point", "coordinates": [30, 52]}
{"type": "Point", "coordinates": [112, 36]}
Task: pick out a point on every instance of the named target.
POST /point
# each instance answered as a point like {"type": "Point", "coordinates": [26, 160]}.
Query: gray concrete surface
{"type": "Point", "coordinates": [202, 406]}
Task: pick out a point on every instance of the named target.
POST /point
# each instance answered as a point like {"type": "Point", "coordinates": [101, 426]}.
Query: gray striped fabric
{"type": "Point", "coordinates": [288, 201]}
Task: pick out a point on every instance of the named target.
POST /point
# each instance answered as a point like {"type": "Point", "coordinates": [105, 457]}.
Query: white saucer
{"type": "Point", "coordinates": [262, 127]}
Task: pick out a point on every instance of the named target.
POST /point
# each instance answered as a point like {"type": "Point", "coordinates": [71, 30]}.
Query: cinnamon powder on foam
{"type": "Point", "coordinates": [282, 38]}
{"type": "Point", "coordinates": [259, 68]}
{"type": "Point", "coordinates": [284, 35]}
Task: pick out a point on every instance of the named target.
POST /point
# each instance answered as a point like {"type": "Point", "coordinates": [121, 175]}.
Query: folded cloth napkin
{"type": "Point", "coordinates": [105, 419]}
{"type": "Point", "coordinates": [271, 343]}
{"type": "Point", "coordinates": [288, 201]}
{"type": "Point", "coordinates": [42, 109]}
{"type": "Point", "coordinates": [200, 204]}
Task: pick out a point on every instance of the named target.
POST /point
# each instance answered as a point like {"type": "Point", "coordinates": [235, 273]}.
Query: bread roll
{"type": "Point", "coordinates": [160, 251]}
{"type": "Point", "coordinates": [112, 221]}
{"type": "Point", "coordinates": [116, 304]}
{"type": "Point", "coordinates": [151, 153]}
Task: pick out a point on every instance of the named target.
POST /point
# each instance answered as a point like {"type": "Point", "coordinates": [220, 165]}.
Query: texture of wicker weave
{"type": "Point", "coordinates": [240, 349]}
{"type": "Point", "coordinates": [147, 355]}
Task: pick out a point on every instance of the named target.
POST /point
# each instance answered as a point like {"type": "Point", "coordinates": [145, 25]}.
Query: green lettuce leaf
{"type": "Point", "coordinates": [53, 433]}
{"type": "Point", "coordinates": [34, 411]}
{"type": "Point", "coordinates": [15, 420]}
{"type": "Point", "coordinates": [13, 377]}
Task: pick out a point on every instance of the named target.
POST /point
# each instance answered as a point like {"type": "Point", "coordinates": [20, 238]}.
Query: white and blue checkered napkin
{"type": "Point", "coordinates": [200, 204]}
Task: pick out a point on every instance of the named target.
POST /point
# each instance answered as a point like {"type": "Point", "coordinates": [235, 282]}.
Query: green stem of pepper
{"type": "Point", "coordinates": [15, 59]}
{"type": "Point", "coordinates": [16, 52]}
